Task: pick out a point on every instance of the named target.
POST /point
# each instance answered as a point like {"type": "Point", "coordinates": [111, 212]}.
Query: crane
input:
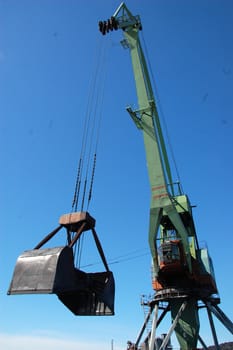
{"type": "Point", "coordinates": [182, 272]}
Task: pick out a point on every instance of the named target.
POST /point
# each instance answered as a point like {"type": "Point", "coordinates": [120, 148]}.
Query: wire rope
{"type": "Point", "coordinates": [139, 253]}
{"type": "Point", "coordinates": [98, 128]}
{"type": "Point", "coordinates": [86, 129]}
{"type": "Point", "coordinates": [94, 125]}
{"type": "Point", "coordinates": [90, 139]}
{"type": "Point", "coordinates": [86, 135]}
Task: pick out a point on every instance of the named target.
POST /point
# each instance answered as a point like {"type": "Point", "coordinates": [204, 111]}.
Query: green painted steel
{"type": "Point", "coordinates": [146, 117]}
{"type": "Point", "coordinates": [163, 200]}
{"type": "Point", "coordinates": [182, 273]}
{"type": "Point", "coordinates": [187, 329]}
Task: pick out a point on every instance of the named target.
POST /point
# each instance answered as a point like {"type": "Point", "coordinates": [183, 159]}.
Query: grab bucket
{"type": "Point", "coordinates": [52, 271]}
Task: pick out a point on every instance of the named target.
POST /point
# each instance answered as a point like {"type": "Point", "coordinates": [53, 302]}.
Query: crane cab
{"type": "Point", "coordinates": [171, 257]}
{"type": "Point", "coordinates": [172, 265]}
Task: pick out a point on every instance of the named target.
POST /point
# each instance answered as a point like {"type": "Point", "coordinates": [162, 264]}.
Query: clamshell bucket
{"type": "Point", "coordinates": [52, 270]}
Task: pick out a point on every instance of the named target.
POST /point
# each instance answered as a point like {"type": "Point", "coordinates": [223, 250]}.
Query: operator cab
{"type": "Point", "coordinates": [171, 256]}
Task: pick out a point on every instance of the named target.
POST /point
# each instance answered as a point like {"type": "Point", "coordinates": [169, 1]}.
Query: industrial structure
{"type": "Point", "coordinates": [183, 278]}
{"type": "Point", "coordinates": [182, 272]}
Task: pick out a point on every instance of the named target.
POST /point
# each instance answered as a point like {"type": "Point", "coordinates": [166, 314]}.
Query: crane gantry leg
{"type": "Point", "coordinates": [154, 326]}
{"type": "Point", "coordinates": [150, 342]}
{"type": "Point", "coordinates": [212, 327]}
{"type": "Point", "coordinates": [174, 324]}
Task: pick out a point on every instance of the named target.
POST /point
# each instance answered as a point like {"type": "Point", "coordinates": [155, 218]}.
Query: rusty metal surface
{"type": "Point", "coordinates": [73, 221]}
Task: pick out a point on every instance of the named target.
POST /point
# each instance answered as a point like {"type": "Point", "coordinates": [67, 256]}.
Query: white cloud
{"type": "Point", "coordinates": [28, 342]}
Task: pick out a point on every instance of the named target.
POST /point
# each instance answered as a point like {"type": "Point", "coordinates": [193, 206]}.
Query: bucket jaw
{"type": "Point", "coordinates": [96, 299]}
{"type": "Point", "coordinates": [52, 271]}
{"type": "Point", "coordinates": [44, 271]}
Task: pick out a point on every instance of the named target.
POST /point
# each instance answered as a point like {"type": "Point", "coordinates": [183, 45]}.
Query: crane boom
{"type": "Point", "coordinates": [177, 260]}
{"type": "Point", "coordinates": [146, 118]}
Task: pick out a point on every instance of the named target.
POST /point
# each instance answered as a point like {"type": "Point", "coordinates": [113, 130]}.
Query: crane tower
{"type": "Point", "coordinates": [182, 273]}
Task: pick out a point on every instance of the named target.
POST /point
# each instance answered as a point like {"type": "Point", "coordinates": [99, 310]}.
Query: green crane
{"type": "Point", "coordinates": [179, 266]}
{"type": "Point", "coordinates": [182, 272]}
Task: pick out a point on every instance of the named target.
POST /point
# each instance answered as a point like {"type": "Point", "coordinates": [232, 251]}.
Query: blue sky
{"type": "Point", "coordinates": [48, 51]}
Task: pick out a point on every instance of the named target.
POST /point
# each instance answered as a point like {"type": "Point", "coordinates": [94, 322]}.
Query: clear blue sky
{"type": "Point", "coordinates": [47, 49]}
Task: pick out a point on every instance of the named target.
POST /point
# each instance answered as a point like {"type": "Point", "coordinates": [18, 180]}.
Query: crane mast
{"type": "Point", "coordinates": [182, 273]}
